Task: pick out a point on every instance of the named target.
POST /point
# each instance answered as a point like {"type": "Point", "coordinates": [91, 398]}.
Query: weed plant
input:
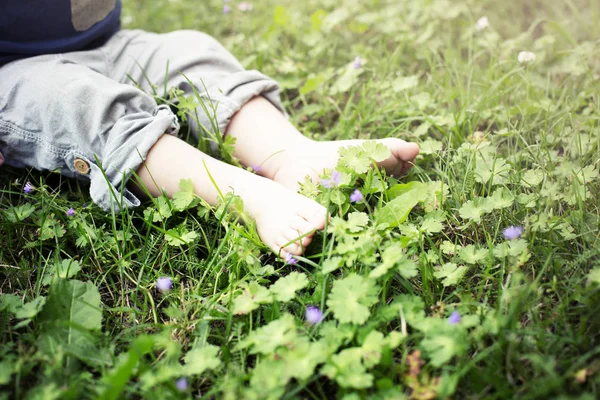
{"type": "Point", "coordinates": [475, 276]}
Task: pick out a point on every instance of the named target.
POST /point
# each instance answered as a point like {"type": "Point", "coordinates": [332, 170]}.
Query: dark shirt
{"type": "Point", "coordinates": [34, 27]}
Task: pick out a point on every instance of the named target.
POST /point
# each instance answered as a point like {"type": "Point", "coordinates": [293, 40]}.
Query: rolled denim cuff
{"type": "Point", "coordinates": [127, 148]}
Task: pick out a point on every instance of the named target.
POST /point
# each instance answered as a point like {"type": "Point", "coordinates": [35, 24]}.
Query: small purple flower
{"type": "Point", "coordinates": [70, 212]}
{"type": "Point", "coordinates": [454, 318]}
{"type": "Point", "coordinates": [289, 259]}
{"type": "Point", "coordinates": [84, 205]}
{"type": "Point", "coordinates": [512, 232]}
{"type": "Point", "coordinates": [164, 284]}
{"type": "Point", "coordinates": [334, 181]}
{"type": "Point", "coordinates": [226, 9]}
{"type": "Point", "coordinates": [28, 188]}
{"type": "Point", "coordinates": [356, 196]}
{"type": "Point", "coordinates": [255, 168]}
{"type": "Point", "coordinates": [357, 63]}
{"type": "Point", "coordinates": [313, 315]}
{"type": "Point", "coordinates": [181, 384]}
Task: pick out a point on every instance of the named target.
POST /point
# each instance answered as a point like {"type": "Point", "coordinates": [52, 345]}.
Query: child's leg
{"type": "Point", "coordinates": [265, 137]}
{"type": "Point", "coordinates": [246, 103]}
{"type": "Point", "coordinates": [281, 215]}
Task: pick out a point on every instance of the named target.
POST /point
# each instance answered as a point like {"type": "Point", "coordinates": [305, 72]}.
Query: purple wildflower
{"type": "Point", "coordinates": [512, 232]}
{"type": "Point", "coordinates": [84, 205]}
{"type": "Point", "coordinates": [289, 259]}
{"type": "Point", "coordinates": [255, 168]}
{"type": "Point", "coordinates": [181, 384]}
{"type": "Point", "coordinates": [334, 181]}
{"type": "Point", "coordinates": [357, 63]}
{"type": "Point", "coordinates": [28, 188]}
{"type": "Point", "coordinates": [164, 284]}
{"type": "Point", "coordinates": [454, 318]}
{"type": "Point", "coordinates": [226, 9]}
{"type": "Point", "coordinates": [313, 315]}
{"type": "Point", "coordinates": [70, 212]}
{"type": "Point", "coordinates": [356, 196]}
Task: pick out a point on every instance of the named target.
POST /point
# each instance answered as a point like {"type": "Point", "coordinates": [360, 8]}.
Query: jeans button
{"type": "Point", "coordinates": [81, 166]}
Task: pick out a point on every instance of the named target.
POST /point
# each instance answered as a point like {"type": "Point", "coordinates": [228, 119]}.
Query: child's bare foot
{"type": "Point", "coordinates": [281, 216]}
{"type": "Point", "coordinates": [311, 158]}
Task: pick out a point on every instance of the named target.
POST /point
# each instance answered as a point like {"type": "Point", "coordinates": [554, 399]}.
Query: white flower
{"type": "Point", "coordinates": [526, 57]}
{"type": "Point", "coordinates": [244, 6]}
{"type": "Point", "coordinates": [482, 23]}
{"type": "Point", "coordinates": [127, 19]}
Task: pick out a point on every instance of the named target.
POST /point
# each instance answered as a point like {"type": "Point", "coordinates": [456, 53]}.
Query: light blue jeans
{"type": "Point", "coordinates": [81, 114]}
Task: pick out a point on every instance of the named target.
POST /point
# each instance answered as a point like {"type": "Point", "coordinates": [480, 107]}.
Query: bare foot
{"type": "Point", "coordinates": [312, 157]}
{"type": "Point", "coordinates": [281, 216]}
{"type": "Point", "coordinates": [286, 221]}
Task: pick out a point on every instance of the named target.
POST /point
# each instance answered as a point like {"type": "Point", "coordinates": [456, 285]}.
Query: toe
{"type": "Point", "coordinates": [295, 235]}
{"type": "Point", "coordinates": [408, 152]}
{"type": "Point", "coordinates": [286, 247]}
{"type": "Point", "coordinates": [315, 216]}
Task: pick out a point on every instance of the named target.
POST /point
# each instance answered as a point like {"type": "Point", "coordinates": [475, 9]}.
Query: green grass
{"type": "Point", "coordinates": [503, 144]}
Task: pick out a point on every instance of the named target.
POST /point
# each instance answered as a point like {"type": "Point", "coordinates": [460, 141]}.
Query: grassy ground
{"type": "Point", "coordinates": [422, 294]}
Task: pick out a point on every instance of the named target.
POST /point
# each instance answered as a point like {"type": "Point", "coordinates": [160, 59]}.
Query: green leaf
{"type": "Point", "coordinates": [442, 348]}
{"type": "Point", "coordinates": [19, 213]}
{"type": "Point", "coordinates": [351, 297]}
{"type": "Point", "coordinates": [331, 264]}
{"type": "Point", "coordinates": [10, 302]}
{"type": "Point", "coordinates": [406, 197]}
{"type": "Point", "coordinates": [50, 228]}
{"type": "Point", "coordinates": [450, 274]}
{"type": "Point", "coordinates": [490, 166]}
{"type": "Point", "coordinates": [31, 309]}
{"type": "Point", "coordinates": [377, 151]}
{"type": "Point", "coordinates": [7, 368]}
{"type": "Point", "coordinates": [433, 222]}
{"type": "Point", "coordinates": [71, 312]}
{"type": "Point", "coordinates": [285, 288]}
{"type": "Point", "coordinates": [302, 358]}
{"type": "Point", "coordinates": [281, 17]}
{"type": "Point", "coordinates": [201, 359]}
{"type": "Point", "coordinates": [314, 82]}
{"type": "Point", "coordinates": [473, 210]}
{"type": "Point", "coordinates": [162, 372]}
{"type": "Point", "coordinates": [266, 339]}
{"type": "Point", "coordinates": [393, 256]}
{"type": "Point", "coordinates": [372, 348]}
{"type": "Point", "coordinates": [73, 301]}
{"type": "Point", "coordinates": [354, 159]}
{"type": "Point", "coordinates": [472, 255]}
{"type": "Point", "coordinates": [346, 80]}
{"type": "Point", "coordinates": [180, 236]}
{"type": "Point", "coordinates": [405, 82]}
{"type": "Point", "coordinates": [163, 210]}
{"type": "Point", "coordinates": [407, 268]}
{"type": "Point", "coordinates": [449, 248]}
{"type": "Point", "coordinates": [348, 370]}
{"type": "Point", "coordinates": [66, 269]}
{"type": "Point", "coordinates": [532, 177]}
{"type": "Point", "coordinates": [357, 221]}
{"type": "Point", "coordinates": [594, 276]}
{"type": "Point", "coordinates": [185, 198]}
{"type": "Point", "coordinates": [251, 298]}
{"type": "Point", "coordinates": [501, 198]}
{"type": "Point", "coordinates": [116, 379]}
